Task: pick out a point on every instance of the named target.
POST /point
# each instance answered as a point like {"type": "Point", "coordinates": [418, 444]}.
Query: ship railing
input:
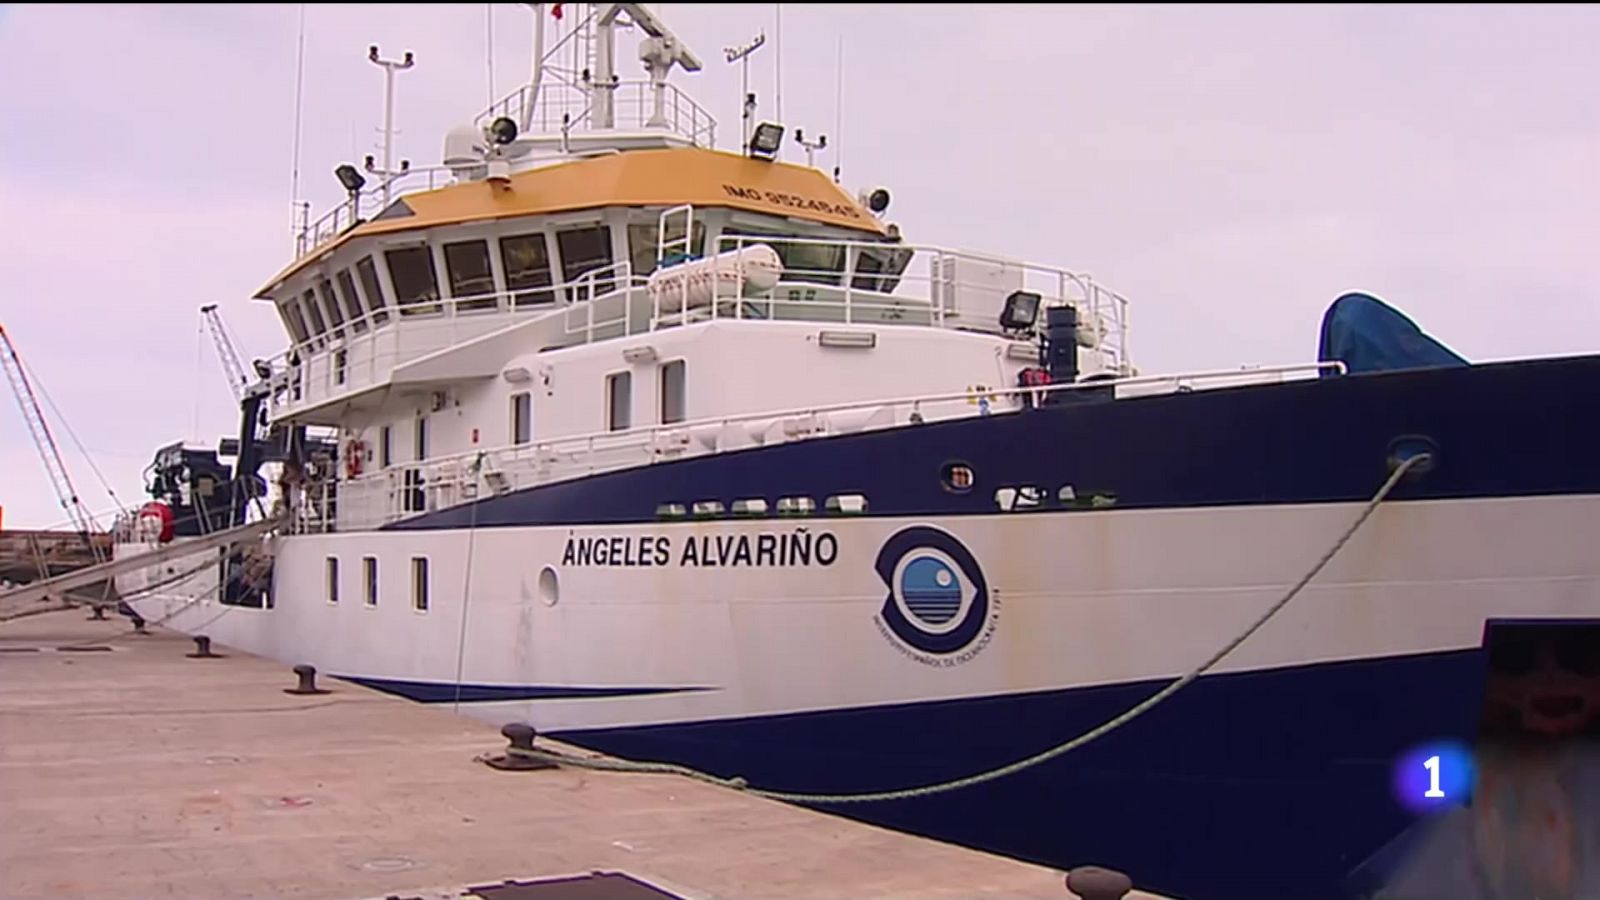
{"type": "Point", "coordinates": [563, 109]}
{"type": "Point", "coordinates": [366, 203]}
{"type": "Point", "coordinates": [408, 489]}
{"type": "Point", "coordinates": [829, 282]}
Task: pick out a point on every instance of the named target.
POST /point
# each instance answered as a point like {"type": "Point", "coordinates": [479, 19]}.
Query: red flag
{"type": "Point", "coordinates": [555, 10]}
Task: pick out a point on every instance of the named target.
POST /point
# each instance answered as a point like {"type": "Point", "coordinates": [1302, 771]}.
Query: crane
{"type": "Point", "coordinates": [80, 516]}
{"type": "Point", "coordinates": [232, 367]}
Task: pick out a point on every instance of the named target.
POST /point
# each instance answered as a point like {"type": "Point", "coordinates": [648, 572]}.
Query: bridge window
{"type": "Point", "coordinates": [521, 418]}
{"type": "Point", "coordinates": [526, 259]}
{"type": "Point", "coordinates": [674, 399]}
{"type": "Point", "coordinates": [815, 263]}
{"type": "Point", "coordinates": [352, 303]}
{"type": "Point", "coordinates": [369, 580]}
{"type": "Point", "coordinates": [583, 250]}
{"type": "Point", "coordinates": [294, 321]}
{"type": "Point", "coordinates": [368, 273]}
{"type": "Point", "coordinates": [642, 242]}
{"type": "Point", "coordinates": [416, 283]}
{"type": "Point", "coordinates": [335, 314]}
{"type": "Point", "coordinates": [319, 325]}
{"type": "Point", "coordinates": [467, 263]}
{"type": "Point", "coordinates": [419, 583]}
{"type": "Point", "coordinates": [619, 401]}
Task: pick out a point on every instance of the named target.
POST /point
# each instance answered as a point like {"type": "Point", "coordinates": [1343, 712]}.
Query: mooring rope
{"type": "Point", "coordinates": [623, 765]}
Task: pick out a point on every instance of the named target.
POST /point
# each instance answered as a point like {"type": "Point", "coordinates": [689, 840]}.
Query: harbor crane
{"type": "Point", "coordinates": [44, 441]}
{"type": "Point", "coordinates": [227, 351]}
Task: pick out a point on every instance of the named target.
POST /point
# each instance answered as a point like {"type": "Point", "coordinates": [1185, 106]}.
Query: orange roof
{"type": "Point", "coordinates": [671, 177]}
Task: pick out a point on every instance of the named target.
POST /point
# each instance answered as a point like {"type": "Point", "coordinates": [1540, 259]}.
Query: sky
{"type": "Point", "coordinates": [1231, 169]}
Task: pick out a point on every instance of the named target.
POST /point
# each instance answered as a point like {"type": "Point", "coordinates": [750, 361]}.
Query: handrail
{"type": "Point", "coordinates": [445, 481]}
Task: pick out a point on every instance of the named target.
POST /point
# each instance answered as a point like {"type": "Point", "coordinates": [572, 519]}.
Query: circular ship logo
{"type": "Point", "coordinates": [938, 610]}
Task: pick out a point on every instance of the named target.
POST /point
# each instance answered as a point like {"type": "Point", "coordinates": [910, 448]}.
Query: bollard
{"type": "Point", "coordinates": [521, 737]}
{"type": "Point", "coordinates": [1095, 883]}
{"type": "Point", "coordinates": [202, 649]}
{"type": "Point", "coordinates": [308, 681]}
{"type": "Point", "coordinates": [97, 613]}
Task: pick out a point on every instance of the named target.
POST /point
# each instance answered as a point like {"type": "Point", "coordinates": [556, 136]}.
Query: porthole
{"type": "Point", "coordinates": [549, 586]}
{"type": "Point", "coordinates": [957, 478]}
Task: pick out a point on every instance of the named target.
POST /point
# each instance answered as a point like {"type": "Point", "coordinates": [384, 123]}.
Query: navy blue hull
{"type": "Point", "coordinates": [1508, 429]}
{"type": "Point", "coordinates": [1272, 785]}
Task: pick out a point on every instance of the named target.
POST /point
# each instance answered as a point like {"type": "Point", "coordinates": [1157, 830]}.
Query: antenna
{"type": "Point", "coordinates": [741, 54]}
{"type": "Point", "coordinates": [838, 110]}
{"type": "Point", "coordinates": [294, 169]}
{"type": "Point", "coordinates": [388, 172]}
{"type": "Point", "coordinates": [777, 54]}
{"type": "Point", "coordinates": [488, 20]}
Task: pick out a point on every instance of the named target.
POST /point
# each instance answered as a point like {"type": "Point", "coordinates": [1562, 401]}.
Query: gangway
{"type": "Point", "coordinates": [24, 597]}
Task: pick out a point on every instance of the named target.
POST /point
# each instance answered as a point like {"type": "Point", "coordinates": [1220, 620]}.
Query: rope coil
{"type": "Point", "coordinates": [740, 784]}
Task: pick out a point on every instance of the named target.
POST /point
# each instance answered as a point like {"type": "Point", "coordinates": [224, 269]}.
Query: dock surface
{"type": "Point", "coordinates": [136, 771]}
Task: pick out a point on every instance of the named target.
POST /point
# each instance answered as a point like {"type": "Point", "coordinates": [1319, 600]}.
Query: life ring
{"type": "Point", "coordinates": [354, 455]}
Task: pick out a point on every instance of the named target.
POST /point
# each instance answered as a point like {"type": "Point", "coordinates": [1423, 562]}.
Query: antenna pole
{"type": "Point", "coordinates": [777, 56]}
{"type": "Point", "coordinates": [294, 175]}
{"type": "Point", "coordinates": [390, 67]}
{"type": "Point", "coordinates": [838, 111]}
{"type": "Point", "coordinates": [741, 54]}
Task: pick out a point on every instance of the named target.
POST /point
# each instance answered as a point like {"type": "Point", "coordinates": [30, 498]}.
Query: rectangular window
{"type": "Point", "coordinates": [294, 321]}
{"type": "Point", "coordinates": [419, 443]}
{"type": "Point", "coordinates": [333, 579]}
{"type": "Point", "coordinates": [642, 244]}
{"type": "Point", "coordinates": [526, 259]}
{"type": "Point", "coordinates": [619, 397]}
{"type": "Point", "coordinates": [583, 250]}
{"type": "Point", "coordinates": [369, 579]}
{"type": "Point", "coordinates": [814, 263]}
{"type": "Point", "coordinates": [419, 583]}
{"type": "Point", "coordinates": [352, 303]}
{"type": "Point", "coordinates": [385, 447]}
{"type": "Point", "coordinates": [521, 418]}
{"type": "Point", "coordinates": [368, 273]}
{"type": "Point", "coordinates": [319, 325]}
{"type": "Point", "coordinates": [674, 405]}
{"type": "Point", "coordinates": [416, 283]}
{"type": "Point", "coordinates": [467, 264]}
{"type": "Point", "coordinates": [329, 302]}
{"type": "Point", "coordinates": [341, 367]}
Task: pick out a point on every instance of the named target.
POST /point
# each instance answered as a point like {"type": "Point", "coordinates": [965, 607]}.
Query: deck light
{"type": "Point", "coordinates": [1021, 311]}
{"type": "Point", "coordinates": [350, 178]}
{"type": "Point", "coordinates": [766, 140]}
{"type": "Point", "coordinates": [502, 130]}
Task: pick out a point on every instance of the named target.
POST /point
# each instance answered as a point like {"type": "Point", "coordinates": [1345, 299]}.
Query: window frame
{"type": "Point", "coordinates": [421, 584]}
{"type": "Point", "coordinates": [662, 384]}
{"type": "Point", "coordinates": [623, 377]}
